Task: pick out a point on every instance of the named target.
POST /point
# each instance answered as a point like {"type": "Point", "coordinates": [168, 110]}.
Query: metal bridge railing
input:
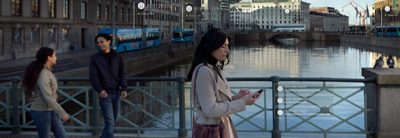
{"type": "Point", "coordinates": [304, 107]}
{"type": "Point", "coordinates": [160, 107]}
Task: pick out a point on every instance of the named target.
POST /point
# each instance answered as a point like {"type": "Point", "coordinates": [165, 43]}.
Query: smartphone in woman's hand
{"type": "Point", "coordinates": [258, 93]}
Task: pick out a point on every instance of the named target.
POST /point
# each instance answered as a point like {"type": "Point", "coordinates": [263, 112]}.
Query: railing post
{"type": "Point", "coordinates": [371, 106]}
{"type": "Point", "coordinates": [276, 132]}
{"type": "Point", "coordinates": [382, 102]}
{"type": "Point", "coordinates": [182, 132]}
{"type": "Point", "coordinates": [14, 102]}
{"type": "Point", "coordinates": [95, 114]}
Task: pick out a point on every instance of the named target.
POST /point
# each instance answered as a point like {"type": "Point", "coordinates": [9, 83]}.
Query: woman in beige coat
{"type": "Point", "coordinates": [213, 100]}
{"type": "Point", "coordinates": [40, 83]}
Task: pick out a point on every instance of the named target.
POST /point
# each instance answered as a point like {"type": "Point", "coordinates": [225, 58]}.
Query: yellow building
{"type": "Point", "coordinates": [384, 18]}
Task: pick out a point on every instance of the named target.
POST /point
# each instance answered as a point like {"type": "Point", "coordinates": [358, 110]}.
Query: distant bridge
{"type": "Point", "coordinates": [264, 36]}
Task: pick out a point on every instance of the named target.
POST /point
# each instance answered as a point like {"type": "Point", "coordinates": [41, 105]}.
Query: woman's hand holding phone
{"type": "Point", "coordinates": [258, 93]}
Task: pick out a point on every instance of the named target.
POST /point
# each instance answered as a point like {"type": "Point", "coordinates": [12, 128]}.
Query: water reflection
{"type": "Point", "coordinates": [288, 41]}
{"type": "Point", "coordinates": [305, 59]}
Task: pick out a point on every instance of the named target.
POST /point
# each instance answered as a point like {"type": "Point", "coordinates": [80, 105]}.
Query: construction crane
{"type": "Point", "coordinates": [360, 12]}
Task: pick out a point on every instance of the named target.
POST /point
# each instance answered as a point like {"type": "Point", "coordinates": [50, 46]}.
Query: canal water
{"type": "Point", "coordinates": [295, 59]}
{"type": "Point", "coordinates": [303, 59]}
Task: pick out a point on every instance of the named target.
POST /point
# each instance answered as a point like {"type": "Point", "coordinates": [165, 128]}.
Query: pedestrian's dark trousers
{"type": "Point", "coordinates": [110, 108]}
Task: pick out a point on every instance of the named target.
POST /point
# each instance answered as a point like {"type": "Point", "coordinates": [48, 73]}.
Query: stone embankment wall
{"type": "Point", "coordinates": [139, 65]}
{"type": "Point", "coordinates": [384, 42]}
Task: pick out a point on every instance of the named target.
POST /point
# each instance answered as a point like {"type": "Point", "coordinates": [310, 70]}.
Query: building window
{"type": "Point", "coordinates": [117, 14]}
{"type": "Point", "coordinates": [98, 12]}
{"type": "Point", "coordinates": [35, 35]}
{"type": "Point", "coordinates": [1, 42]}
{"type": "Point", "coordinates": [65, 34]}
{"type": "Point", "coordinates": [16, 8]}
{"type": "Point", "coordinates": [52, 35]}
{"type": "Point", "coordinates": [17, 35]}
{"type": "Point", "coordinates": [66, 9]}
{"type": "Point", "coordinates": [106, 13]}
{"type": "Point", "coordinates": [122, 14]}
{"type": "Point", "coordinates": [52, 8]}
{"type": "Point", "coordinates": [83, 10]}
{"type": "Point", "coordinates": [128, 11]}
{"type": "Point", "coordinates": [129, 15]}
{"type": "Point", "coordinates": [35, 8]}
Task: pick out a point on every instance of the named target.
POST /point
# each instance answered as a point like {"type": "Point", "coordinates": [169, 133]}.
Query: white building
{"type": "Point", "coordinates": [265, 14]}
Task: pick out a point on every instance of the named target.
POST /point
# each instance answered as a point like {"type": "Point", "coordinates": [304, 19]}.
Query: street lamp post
{"type": "Point", "coordinates": [387, 9]}
{"type": "Point", "coordinates": [169, 26]}
{"type": "Point", "coordinates": [381, 17]}
{"type": "Point", "coordinates": [141, 7]}
{"type": "Point", "coordinates": [113, 22]}
{"type": "Point", "coordinates": [133, 14]}
{"type": "Point", "coordinates": [182, 15]}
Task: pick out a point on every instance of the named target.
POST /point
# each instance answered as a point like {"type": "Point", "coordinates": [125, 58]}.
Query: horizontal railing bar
{"type": "Point", "coordinates": [129, 79]}
{"type": "Point", "coordinates": [229, 79]}
{"type": "Point", "coordinates": [318, 132]}
{"type": "Point", "coordinates": [301, 79]}
{"type": "Point", "coordinates": [10, 78]}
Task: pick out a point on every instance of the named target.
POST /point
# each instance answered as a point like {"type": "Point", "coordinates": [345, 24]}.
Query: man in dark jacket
{"type": "Point", "coordinates": [107, 76]}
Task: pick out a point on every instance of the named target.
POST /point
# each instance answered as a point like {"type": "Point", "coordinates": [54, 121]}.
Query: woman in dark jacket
{"type": "Point", "coordinates": [107, 76]}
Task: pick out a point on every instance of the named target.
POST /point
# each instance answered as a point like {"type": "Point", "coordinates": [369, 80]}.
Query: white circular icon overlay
{"type": "Point", "coordinates": [280, 100]}
{"type": "Point", "coordinates": [141, 5]}
{"type": "Point", "coordinates": [280, 112]}
{"type": "Point", "coordinates": [287, 11]}
{"type": "Point", "coordinates": [189, 8]}
{"type": "Point", "coordinates": [280, 88]}
{"type": "Point", "coordinates": [387, 8]}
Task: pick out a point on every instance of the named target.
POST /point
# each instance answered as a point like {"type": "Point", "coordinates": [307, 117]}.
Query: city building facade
{"type": "Point", "coordinates": [210, 14]}
{"type": "Point", "coordinates": [325, 21]}
{"type": "Point", "coordinates": [265, 14]}
{"type": "Point", "coordinates": [386, 18]}
{"type": "Point", "coordinates": [325, 10]}
{"type": "Point", "coordinates": [225, 12]}
{"type": "Point", "coordinates": [67, 25]}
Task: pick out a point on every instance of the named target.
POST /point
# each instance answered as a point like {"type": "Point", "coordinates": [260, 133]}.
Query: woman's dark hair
{"type": "Point", "coordinates": [33, 70]}
{"type": "Point", "coordinates": [105, 36]}
{"type": "Point", "coordinates": [212, 40]}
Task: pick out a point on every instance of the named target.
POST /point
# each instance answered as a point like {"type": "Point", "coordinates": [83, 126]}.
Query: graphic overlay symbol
{"type": "Point", "coordinates": [280, 88]}
{"type": "Point", "coordinates": [280, 100]}
{"type": "Point", "coordinates": [189, 8]}
{"type": "Point", "coordinates": [141, 5]}
{"type": "Point", "coordinates": [287, 11]}
{"type": "Point", "coordinates": [280, 112]}
{"type": "Point", "coordinates": [387, 8]}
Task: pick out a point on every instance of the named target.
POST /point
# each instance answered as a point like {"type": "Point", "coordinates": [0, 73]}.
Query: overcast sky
{"type": "Point", "coordinates": [338, 4]}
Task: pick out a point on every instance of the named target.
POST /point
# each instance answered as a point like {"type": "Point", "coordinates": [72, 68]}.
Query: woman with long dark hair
{"type": "Point", "coordinates": [213, 100]}
{"type": "Point", "coordinates": [40, 83]}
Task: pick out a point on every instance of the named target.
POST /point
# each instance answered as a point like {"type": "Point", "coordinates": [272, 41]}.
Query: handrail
{"type": "Point", "coordinates": [229, 79]}
{"type": "Point", "coordinates": [301, 79]}
{"type": "Point", "coordinates": [177, 92]}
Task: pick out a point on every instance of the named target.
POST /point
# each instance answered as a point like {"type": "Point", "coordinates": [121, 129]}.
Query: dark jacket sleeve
{"type": "Point", "coordinates": [122, 74]}
{"type": "Point", "coordinates": [94, 75]}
